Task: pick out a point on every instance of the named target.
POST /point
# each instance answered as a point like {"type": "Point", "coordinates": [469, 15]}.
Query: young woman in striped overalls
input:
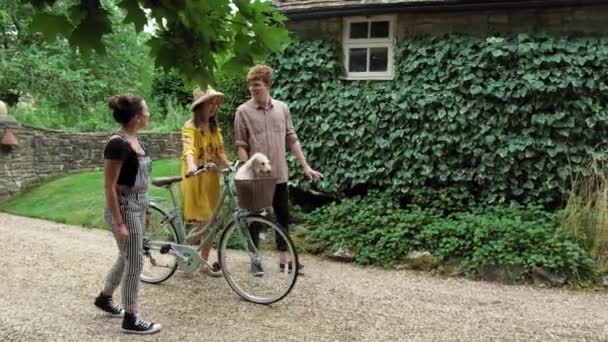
{"type": "Point", "coordinates": [127, 171]}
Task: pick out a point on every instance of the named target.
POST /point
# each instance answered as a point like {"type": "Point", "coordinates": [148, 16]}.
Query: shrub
{"type": "Point", "coordinates": [587, 209]}
{"type": "Point", "coordinates": [381, 233]}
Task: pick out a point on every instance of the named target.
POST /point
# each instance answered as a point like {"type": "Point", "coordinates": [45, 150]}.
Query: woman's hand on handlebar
{"type": "Point", "coordinates": [203, 168]}
{"type": "Point", "coordinates": [226, 169]}
{"type": "Point", "coordinates": [190, 170]}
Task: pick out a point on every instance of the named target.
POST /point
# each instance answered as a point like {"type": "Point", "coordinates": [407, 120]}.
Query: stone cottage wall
{"type": "Point", "coordinates": [591, 19]}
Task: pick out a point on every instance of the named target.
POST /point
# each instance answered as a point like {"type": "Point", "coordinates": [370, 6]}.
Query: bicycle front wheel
{"type": "Point", "coordinates": [251, 253]}
{"type": "Point", "coordinates": [158, 227]}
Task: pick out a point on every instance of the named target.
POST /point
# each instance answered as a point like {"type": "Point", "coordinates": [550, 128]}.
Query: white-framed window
{"type": "Point", "coordinates": [368, 47]}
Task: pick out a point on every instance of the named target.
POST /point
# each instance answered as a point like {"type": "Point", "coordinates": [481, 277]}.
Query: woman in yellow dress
{"type": "Point", "coordinates": [202, 143]}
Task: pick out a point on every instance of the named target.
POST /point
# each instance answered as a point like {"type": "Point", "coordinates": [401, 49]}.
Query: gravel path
{"type": "Point", "coordinates": [51, 272]}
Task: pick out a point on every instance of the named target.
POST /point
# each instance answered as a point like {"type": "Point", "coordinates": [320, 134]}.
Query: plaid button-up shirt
{"type": "Point", "coordinates": [266, 130]}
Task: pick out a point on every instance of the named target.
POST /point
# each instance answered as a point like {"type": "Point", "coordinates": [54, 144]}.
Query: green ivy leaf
{"type": "Point", "coordinates": [490, 139]}
{"type": "Point", "coordinates": [563, 172]}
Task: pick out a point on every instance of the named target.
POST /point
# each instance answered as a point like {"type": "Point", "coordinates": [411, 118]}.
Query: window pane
{"type": "Point", "coordinates": [358, 30]}
{"type": "Point", "coordinates": [380, 29]}
{"type": "Point", "coordinates": [378, 59]}
{"type": "Point", "coordinates": [357, 60]}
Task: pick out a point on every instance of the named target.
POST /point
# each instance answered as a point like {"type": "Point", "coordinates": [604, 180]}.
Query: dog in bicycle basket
{"type": "Point", "coordinates": [254, 183]}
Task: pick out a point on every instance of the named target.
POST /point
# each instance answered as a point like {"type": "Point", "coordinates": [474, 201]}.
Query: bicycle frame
{"type": "Point", "coordinates": [218, 222]}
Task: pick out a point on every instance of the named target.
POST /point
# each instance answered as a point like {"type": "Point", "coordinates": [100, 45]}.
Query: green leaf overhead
{"type": "Point", "coordinates": [94, 24]}
{"type": "Point", "coordinates": [40, 3]}
{"type": "Point", "coordinates": [135, 14]}
{"type": "Point", "coordinates": [51, 25]}
{"type": "Point", "coordinates": [188, 33]}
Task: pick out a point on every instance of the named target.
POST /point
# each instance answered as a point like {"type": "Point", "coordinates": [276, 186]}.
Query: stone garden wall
{"type": "Point", "coordinates": [41, 153]}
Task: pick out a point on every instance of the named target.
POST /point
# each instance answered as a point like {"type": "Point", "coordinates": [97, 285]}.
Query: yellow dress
{"type": "Point", "coordinates": [201, 193]}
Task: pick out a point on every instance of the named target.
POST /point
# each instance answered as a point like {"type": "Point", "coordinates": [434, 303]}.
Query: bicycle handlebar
{"type": "Point", "coordinates": [212, 166]}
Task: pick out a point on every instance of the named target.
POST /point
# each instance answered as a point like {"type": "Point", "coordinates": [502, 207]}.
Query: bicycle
{"type": "Point", "coordinates": [166, 248]}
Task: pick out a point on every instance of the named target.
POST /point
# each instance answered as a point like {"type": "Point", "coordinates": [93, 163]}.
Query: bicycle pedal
{"type": "Point", "coordinates": [164, 249]}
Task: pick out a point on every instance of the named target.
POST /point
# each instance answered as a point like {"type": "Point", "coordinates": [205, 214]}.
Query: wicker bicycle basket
{"type": "Point", "coordinates": [255, 194]}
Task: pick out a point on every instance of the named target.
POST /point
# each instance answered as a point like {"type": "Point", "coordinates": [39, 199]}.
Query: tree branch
{"type": "Point", "coordinates": [4, 37]}
{"type": "Point", "coordinates": [17, 27]}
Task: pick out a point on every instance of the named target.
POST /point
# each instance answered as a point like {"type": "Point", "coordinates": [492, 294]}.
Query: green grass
{"type": "Point", "coordinates": [77, 198]}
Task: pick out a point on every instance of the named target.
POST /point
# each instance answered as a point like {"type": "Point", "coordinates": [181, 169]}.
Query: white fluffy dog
{"type": "Point", "coordinates": [257, 166]}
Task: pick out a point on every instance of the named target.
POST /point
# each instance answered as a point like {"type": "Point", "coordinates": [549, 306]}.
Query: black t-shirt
{"type": "Point", "coordinates": [119, 149]}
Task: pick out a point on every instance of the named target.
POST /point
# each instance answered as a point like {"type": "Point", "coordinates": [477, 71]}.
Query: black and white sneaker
{"type": "Point", "coordinates": [132, 324]}
{"type": "Point", "coordinates": [106, 303]}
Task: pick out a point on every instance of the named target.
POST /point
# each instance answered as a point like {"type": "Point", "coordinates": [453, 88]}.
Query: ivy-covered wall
{"type": "Point", "coordinates": [493, 119]}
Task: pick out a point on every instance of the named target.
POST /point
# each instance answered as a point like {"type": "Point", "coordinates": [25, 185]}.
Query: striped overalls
{"type": "Point", "coordinates": [133, 203]}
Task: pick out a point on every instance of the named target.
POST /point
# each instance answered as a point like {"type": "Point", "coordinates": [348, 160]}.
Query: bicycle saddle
{"type": "Point", "coordinates": [163, 181]}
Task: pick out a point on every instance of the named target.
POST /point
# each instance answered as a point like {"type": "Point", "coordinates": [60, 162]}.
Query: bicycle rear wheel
{"type": "Point", "coordinates": [158, 267]}
{"type": "Point", "coordinates": [240, 257]}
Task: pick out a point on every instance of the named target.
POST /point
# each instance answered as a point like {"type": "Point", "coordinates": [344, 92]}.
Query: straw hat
{"type": "Point", "coordinates": [202, 96]}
